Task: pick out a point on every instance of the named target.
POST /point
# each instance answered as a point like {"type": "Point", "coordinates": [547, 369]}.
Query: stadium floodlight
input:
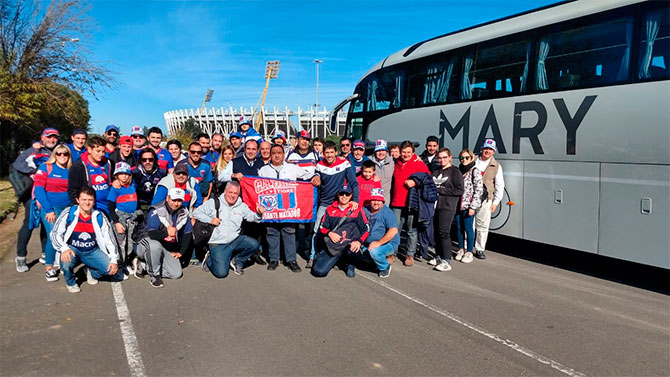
{"type": "Point", "coordinates": [272, 69]}
{"type": "Point", "coordinates": [317, 62]}
{"type": "Point", "coordinates": [208, 97]}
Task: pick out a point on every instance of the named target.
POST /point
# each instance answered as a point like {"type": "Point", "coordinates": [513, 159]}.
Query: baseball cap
{"type": "Point", "coordinates": [111, 127]}
{"type": "Point", "coordinates": [176, 193]}
{"type": "Point", "coordinates": [490, 143]}
{"type": "Point", "coordinates": [305, 134]}
{"type": "Point", "coordinates": [137, 130]}
{"type": "Point", "coordinates": [50, 132]}
{"type": "Point", "coordinates": [121, 167]}
{"type": "Point", "coordinates": [181, 167]}
{"type": "Point", "coordinates": [345, 189]}
{"type": "Point", "coordinates": [279, 135]}
{"type": "Point", "coordinates": [381, 145]}
{"type": "Point", "coordinates": [244, 120]}
{"type": "Point", "coordinates": [235, 134]}
{"type": "Point", "coordinates": [126, 140]}
{"type": "Point", "coordinates": [377, 194]}
{"type": "Point", "coordinates": [359, 144]}
{"type": "Point", "coordinates": [79, 131]}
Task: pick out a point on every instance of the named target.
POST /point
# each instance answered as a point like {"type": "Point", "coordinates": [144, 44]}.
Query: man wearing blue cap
{"type": "Point", "coordinates": [236, 142]}
{"type": "Point", "coordinates": [112, 136]}
{"type": "Point", "coordinates": [494, 187]}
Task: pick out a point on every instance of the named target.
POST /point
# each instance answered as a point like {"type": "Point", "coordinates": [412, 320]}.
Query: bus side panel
{"type": "Point", "coordinates": [561, 204]}
{"type": "Point", "coordinates": [634, 216]}
{"type": "Point", "coordinates": [507, 218]}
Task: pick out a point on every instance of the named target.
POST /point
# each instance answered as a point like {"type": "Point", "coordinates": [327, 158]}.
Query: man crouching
{"type": "Point", "coordinates": [226, 239]}
{"type": "Point", "coordinates": [84, 235]}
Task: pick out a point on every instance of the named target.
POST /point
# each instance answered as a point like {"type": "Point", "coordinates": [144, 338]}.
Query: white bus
{"type": "Point", "coordinates": [577, 97]}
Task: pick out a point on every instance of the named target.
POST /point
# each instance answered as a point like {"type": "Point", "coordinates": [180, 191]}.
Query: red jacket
{"type": "Point", "coordinates": [356, 223]}
{"type": "Point", "coordinates": [402, 172]}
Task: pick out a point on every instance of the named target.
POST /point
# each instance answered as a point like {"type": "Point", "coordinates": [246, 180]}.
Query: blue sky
{"type": "Point", "coordinates": [166, 54]}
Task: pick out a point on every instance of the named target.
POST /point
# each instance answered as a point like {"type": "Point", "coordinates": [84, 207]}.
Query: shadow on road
{"type": "Point", "coordinates": [624, 272]}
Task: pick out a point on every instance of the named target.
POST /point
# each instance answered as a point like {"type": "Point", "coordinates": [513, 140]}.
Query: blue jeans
{"type": "Point", "coordinates": [285, 232]}
{"type": "Point", "coordinates": [319, 215]}
{"type": "Point", "coordinates": [405, 217]}
{"type": "Point", "coordinates": [465, 226]}
{"type": "Point", "coordinates": [47, 226]}
{"type": "Point", "coordinates": [95, 260]}
{"type": "Point", "coordinates": [221, 254]}
{"type": "Point", "coordinates": [379, 255]}
{"type": "Point", "coordinates": [325, 262]}
{"type": "Point", "coordinates": [25, 232]}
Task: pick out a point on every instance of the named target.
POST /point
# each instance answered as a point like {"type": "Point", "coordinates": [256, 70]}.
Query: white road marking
{"type": "Point", "coordinates": [506, 342]}
{"type": "Point", "coordinates": [128, 333]}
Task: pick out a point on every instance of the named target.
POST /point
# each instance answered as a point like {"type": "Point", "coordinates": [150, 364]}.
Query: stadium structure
{"type": "Point", "coordinates": [225, 120]}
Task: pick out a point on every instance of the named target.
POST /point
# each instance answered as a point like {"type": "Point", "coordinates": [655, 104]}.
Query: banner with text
{"type": "Point", "coordinates": [283, 201]}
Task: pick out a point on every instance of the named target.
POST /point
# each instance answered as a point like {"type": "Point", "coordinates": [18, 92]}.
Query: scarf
{"type": "Point", "coordinates": [464, 168]}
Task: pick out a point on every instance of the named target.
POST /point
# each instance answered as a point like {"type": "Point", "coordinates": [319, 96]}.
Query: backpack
{"type": "Point", "coordinates": [202, 231]}
{"type": "Point", "coordinates": [21, 183]}
{"type": "Point", "coordinates": [70, 217]}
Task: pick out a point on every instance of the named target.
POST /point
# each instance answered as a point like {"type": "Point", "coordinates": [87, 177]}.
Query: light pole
{"type": "Point", "coordinates": [317, 62]}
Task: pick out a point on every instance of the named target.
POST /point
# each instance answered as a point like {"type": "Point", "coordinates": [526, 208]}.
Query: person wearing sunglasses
{"type": "Point", "coordinates": [111, 135]}
{"type": "Point", "coordinates": [179, 179]}
{"type": "Point", "coordinates": [23, 168]}
{"type": "Point", "coordinates": [471, 200]}
{"type": "Point", "coordinates": [139, 140]}
{"type": "Point", "coordinates": [345, 147]}
{"type": "Point", "coordinates": [199, 169]}
{"type": "Point", "coordinates": [123, 154]}
{"type": "Point", "coordinates": [342, 232]}
{"type": "Point", "coordinates": [146, 176]}
{"type": "Point", "coordinates": [51, 194]}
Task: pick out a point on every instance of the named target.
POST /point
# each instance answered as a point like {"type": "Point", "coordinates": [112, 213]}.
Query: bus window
{"type": "Point", "coordinates": [384, 91]}
{"type": "Point", "coordinates": [356, 129]}
{"type": "Point", "coordinates": [655, 45]}
{"type": "Point", "coordinates": [433, 82]}
{"type": "Point", "coordinates": [499, 69]}
{"type": "Point", "coordinates": [584, 55]}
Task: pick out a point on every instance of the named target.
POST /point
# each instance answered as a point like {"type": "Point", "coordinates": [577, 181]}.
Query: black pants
{"type": "Point", "coordinates": [24, 232]}
{"type": "Point", "coordinates": [445, 218]}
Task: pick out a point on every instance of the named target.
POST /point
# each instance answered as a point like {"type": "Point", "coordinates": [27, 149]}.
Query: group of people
{"type": "Point", "coordinates": [124, 205]}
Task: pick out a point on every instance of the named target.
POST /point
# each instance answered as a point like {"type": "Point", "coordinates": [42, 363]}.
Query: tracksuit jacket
{"type": "Point", "coordinates": [61, 232]}
{"type": "Point", "coordinates": [356, 223]}
{"type": "Point", "coordinates": [333, 178]}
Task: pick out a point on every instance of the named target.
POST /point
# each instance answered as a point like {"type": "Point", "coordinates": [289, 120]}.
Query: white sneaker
{"type": "Point", "coordinates": [443, 266]}
{"type": "Point", "coordinates": [89, 277]}
{"type": "Point", "coordinates": [433, 262]}
{"type": "Point", "coordinates": [73, 289]}
{"type": "Point", "coordinates": [467, 257]}
{"type": "Point", "coordinates": [459, 254]}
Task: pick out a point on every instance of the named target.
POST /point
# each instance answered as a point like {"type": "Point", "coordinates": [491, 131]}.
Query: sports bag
{"type": "Point", "coordinates": [202, 231]}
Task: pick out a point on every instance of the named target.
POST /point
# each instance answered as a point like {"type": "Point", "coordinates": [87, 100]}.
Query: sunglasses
{"type": "Point", "coordinates": [181, 173]}
{"type": "Point", "coordinates": [113, 133]}
{"type": "Point", "coordinates": [146, 160]}
{"type": "Point", "coordinates": [461, 158]}
{"type": "Point", "coordinates": [138, 137]}
{"type": "Point", "coordinates": [345, 145]}
{"type": "Point", "coordinates": [62, 154]}
{"type": "Point", "coordinates": [195, 152]}
{"type": "Point", "coordinates": [344, 194]}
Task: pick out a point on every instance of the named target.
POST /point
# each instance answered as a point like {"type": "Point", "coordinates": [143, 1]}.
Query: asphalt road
{"type": "Point", "coordinates": [502, 316]}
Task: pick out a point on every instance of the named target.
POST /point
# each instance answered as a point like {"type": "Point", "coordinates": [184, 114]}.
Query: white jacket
{"type": "Point", "coordinates": [286, 171]}
{"type": "Point", "coordinates": [103, 234]}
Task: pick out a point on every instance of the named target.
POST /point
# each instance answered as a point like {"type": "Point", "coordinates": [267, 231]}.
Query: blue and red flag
{"type": "Point", "coordinates": [283, 201]}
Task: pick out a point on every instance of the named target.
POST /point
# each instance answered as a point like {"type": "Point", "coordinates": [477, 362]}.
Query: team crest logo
{"type": "Point", "coordinates": [202, 173]}
{"type": "Point", "coordinates": [268, 202]}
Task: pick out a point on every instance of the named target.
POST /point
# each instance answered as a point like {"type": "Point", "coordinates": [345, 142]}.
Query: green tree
{"type": "Point", "coordinates": [44, 68]}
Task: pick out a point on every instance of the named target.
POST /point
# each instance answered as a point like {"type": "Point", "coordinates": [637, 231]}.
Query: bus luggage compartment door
{"type": "Point", "coordinates": [570, 222]}
{"type": "Point", "coordinates": [635, 213]}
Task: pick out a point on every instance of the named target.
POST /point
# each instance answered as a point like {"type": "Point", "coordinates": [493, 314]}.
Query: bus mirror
{"type": "Point", "coordinates": [332, 125]}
